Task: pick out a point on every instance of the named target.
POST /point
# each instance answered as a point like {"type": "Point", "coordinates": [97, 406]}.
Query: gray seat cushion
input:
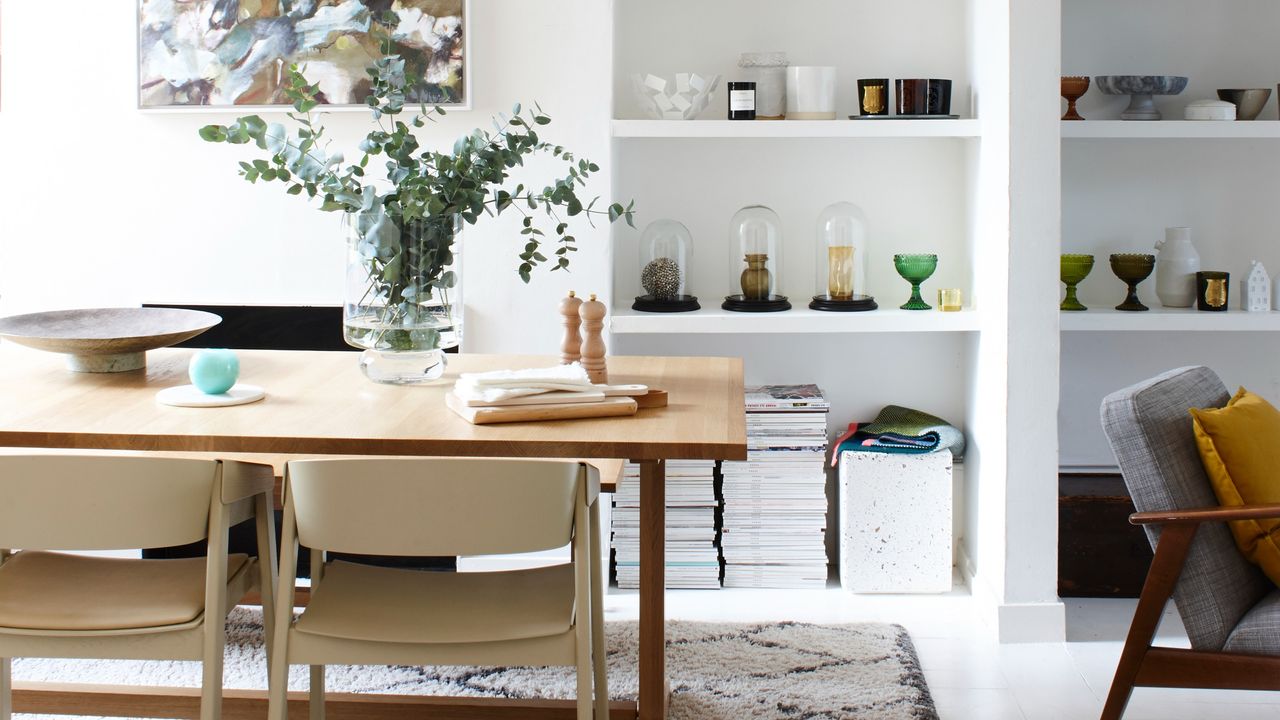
{"type": "Point", "coordinates": [1151, 434]}
{"type": "Point", "coordinates": [1259, 631]}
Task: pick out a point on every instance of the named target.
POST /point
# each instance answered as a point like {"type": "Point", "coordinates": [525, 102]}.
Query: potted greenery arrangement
{"type": "Point", "coordinates": [402, 305]}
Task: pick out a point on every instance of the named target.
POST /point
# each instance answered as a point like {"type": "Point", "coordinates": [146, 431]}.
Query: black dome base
{"type": "Point", "coordinates": [739, 303]}
{"type": "Point", "coordinates": [858, 303]}
{"type": "Point", "coordinates": [681, 303]}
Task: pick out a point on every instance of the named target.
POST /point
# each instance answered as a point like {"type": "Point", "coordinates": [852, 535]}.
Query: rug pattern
{"type": "Point", "coordinates": [718, 671]}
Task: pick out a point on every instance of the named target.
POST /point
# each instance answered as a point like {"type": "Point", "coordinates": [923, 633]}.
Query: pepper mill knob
{"type": "Point", "coordinates": [592, 313]}
{"type": "Point", "coordinates": [571, 346]}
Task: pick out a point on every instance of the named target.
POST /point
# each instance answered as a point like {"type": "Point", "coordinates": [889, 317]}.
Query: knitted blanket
{"type": "Point", "coordinates": [902, 430]}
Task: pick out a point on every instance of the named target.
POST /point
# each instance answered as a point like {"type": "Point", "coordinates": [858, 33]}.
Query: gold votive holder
{"type": "Point", "coordinates": [950, 299]}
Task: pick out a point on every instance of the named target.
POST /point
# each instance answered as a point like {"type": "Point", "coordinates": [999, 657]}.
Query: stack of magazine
{"type": "Point", "coordinates": [693, 560]}
{"type": "Point", "coordinates": [775, 503]}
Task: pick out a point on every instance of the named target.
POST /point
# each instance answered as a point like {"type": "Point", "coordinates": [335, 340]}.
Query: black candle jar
{"type": "Point", "coordinates": [873, 96]}
{"type": "Point", "coordinates": [742, 101]}
{"type": "Point", "coordinates": [1213, 288]}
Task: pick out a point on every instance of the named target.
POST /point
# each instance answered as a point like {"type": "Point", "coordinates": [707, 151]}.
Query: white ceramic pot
{"type": "Point", "coordinates": [811, 93]}
{"type": "Point", "coordinates": [1177, 263]}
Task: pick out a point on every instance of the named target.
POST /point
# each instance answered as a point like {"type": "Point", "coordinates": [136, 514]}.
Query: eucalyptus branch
{"type": "Point", "coordinates": [426, 186]}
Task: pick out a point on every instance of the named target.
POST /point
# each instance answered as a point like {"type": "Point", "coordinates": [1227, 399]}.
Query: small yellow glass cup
{"type": "Point", "coordinates": [950, 299]}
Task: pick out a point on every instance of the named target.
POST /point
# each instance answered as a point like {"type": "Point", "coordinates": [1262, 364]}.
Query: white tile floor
{"type": "Point", "coordinates": [970, 675]}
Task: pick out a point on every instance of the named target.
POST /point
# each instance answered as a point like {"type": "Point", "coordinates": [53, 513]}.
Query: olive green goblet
{"type": "Point", "coordinates": [1075, 268]}
{"type": "Point", "coordinates": [915, 269]}
{"type": "Point", "coordinates": [1132, 268]}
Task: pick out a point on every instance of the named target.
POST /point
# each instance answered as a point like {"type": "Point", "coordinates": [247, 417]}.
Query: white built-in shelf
{"type": "Point", "coordinates": [799, 319]}
{"type": "Point", "coordinates": [1157, 129]}
{"type": "Point", "coordinates": [815, 129]}
{"type": "Point", "coordinates": [1158, 319]}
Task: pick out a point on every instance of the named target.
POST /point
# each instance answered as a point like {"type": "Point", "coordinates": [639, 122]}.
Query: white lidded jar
{"type": "Point", "coordinates": [768, 70]}
{"type": "Point", "coordinates": [1177, 263]}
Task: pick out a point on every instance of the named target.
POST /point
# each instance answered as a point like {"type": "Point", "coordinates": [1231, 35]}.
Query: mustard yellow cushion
{"type": "Point", "coordinates": [1240, 448]}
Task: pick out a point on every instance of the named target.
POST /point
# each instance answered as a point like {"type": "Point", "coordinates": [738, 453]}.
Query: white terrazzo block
{"type": "Point", "coordinates": [895, 522]}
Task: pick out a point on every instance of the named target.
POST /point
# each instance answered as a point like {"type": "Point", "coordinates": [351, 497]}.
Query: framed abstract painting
{"type": "Point", "coordinates": [227, 54]}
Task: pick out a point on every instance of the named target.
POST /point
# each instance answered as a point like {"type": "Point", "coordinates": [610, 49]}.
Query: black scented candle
{"type": "Point", "coordinates": [1212, 290]}
{"type": "Point", "coordinates": [742, 101]}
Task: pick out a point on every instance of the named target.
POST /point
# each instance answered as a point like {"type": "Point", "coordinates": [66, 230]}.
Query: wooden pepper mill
{"type": "Point", "coordinates": [571, 346]}
{"type": "Point", "coordinates": [592, 314]}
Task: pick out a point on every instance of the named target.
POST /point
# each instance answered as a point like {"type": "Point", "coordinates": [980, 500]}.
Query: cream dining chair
{"type": "Point", "coordinates": [54, 604]}
{"type": "Point", "coordinates": [364, 615]}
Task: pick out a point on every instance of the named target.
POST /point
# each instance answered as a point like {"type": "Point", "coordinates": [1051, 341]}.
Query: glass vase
{"type": "Point", "coordinates": [403, 298]}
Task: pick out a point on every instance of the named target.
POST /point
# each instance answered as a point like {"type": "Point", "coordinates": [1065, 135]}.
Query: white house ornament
{"type": "Point", "coordinates": [1255, 293]}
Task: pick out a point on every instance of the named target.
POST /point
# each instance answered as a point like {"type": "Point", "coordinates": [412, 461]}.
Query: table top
{"type": "Point", "coordinates": [320, 403]}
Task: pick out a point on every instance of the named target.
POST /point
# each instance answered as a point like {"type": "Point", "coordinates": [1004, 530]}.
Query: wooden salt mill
{"type": "Point", "coordinates": [592, 314]}
{"type": "Point", "coordinates": [571, 346]}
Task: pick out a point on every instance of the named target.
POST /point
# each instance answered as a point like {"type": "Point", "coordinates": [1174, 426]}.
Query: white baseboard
{"type": "Point", "coordinates": [1032, 622]}
{"type": "Point", "coordinates": [1013, 622]}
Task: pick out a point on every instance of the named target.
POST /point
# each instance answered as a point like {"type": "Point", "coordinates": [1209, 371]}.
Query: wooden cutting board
{"type": "Point", "coordinates": [609, 407]}
{"type": "Point", "coordinates": [551, 398]}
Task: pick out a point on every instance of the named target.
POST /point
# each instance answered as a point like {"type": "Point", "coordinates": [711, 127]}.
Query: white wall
{"type": "Point", "coordinates": [899, 39]}
{"type": "Point", "coordinates": [1221, 44]}
{"type": "Point", "coordinates": [105, 205]}
{"type": "Point", "coordinates": [1031, 609]}
{"type": "Point", "coordinates": [1119, 195]}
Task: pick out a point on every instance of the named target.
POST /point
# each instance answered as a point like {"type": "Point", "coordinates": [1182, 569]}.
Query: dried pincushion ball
{"type": "Point", "coordinates": [661, 279]}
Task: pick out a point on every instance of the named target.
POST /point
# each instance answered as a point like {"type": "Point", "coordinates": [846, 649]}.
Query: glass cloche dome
{"type": "Point", "coordinates": [755, 249]}
{"type": "Point", "coordinates": [665, 254]}
{"type": "Point", "coordinates": [840, 259]}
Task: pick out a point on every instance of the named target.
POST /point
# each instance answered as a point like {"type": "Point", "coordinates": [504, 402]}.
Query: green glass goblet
{"type": "Point", "coordinates": [1132, 268]}
{"type": "Point", "coordinates": [915, 269]}
{"type": "Point", "coordinates": [1075, 268]}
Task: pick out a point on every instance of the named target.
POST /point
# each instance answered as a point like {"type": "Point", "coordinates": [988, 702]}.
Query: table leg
{"type": "Point", "coordinates": [653, 583]}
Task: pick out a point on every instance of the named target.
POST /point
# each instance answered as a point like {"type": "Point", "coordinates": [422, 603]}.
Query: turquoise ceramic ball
{"type": "Point", "coordinates": [214, 372]}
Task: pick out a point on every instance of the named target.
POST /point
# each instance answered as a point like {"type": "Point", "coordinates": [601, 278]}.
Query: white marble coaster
{"type": "Point", "coordinates": [190, 396]}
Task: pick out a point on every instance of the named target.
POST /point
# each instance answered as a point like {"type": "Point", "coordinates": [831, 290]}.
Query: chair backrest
{"type": "Point", "coordinates": [95, 502]}
{"type": "Point", "coordinates": [1151, 434]}
{"type": "Point", "coordinates": [431, 506]}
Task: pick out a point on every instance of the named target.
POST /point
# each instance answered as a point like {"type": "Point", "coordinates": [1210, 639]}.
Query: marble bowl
{"type": "Point", "coordinates": [1140, 88]}
{"type": "Point", "coordinates": [678, 97]}
{"type": "Point", "coordinates": [1249, 103]}
{"type": "Point", "coordinates": [106, 339]}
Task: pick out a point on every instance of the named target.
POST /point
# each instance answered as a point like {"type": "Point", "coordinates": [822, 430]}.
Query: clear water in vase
{"type": "Point", "coordinates": [403, 303]}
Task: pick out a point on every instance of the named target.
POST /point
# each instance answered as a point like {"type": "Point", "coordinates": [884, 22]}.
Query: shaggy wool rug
{"type": "Point", "coordinates": [718, 671]}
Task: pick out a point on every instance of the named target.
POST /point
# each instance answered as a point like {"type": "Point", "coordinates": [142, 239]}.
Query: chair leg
{"type": "Point", "coordinates": [278, 685]}
{"type": "Point", "coordinates": [584, 683]}
{"type": "Point", "coordinates": [211, 690]}
{"type": "Point", "coordinates": [599, 659]}
{"type": "Point", "coordinates": [317, 692]}
{"type": "Point", "coordinates": [1171, 552]}
{"type": "Point", "coordinates": [6, 689]}
{"type": "Point", "coordinates": [266, 538]}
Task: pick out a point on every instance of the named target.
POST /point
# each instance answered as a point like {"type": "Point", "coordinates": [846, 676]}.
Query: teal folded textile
{"type": "Point", "coordinates": [901, 430]}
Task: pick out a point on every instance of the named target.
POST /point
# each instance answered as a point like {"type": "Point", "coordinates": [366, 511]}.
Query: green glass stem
{"type": "Point", "coordinates": [1071, 302]}
{"type": "Point", "coordinates": [1131, 301]}
{"type": "Point", "coordinates": [916, 302]}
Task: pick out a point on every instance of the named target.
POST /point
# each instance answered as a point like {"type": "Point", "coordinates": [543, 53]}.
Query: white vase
{"type": "Point", "coordinates": [1177, 263]}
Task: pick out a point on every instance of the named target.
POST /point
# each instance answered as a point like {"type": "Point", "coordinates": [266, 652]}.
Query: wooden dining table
{"type": "Point", "coordinates": [319, 403]}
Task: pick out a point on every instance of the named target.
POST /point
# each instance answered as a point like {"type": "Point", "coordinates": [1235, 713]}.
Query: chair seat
{"type": "Point", "coordinates": [1258, 632]}
{"type": "Point", "coordinates": [362, 602]}
{"type": "Point", "coordinates": [60, 592]}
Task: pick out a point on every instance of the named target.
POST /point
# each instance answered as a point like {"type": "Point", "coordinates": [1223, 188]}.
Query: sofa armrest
{"type": "Point", "coordinates": [1201, 515]}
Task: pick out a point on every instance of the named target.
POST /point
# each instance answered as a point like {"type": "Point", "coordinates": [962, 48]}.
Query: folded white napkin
{"type": "Point", "coordinates": [530, 377]}
{"type": "Point", "coordinates": [499, 385]}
